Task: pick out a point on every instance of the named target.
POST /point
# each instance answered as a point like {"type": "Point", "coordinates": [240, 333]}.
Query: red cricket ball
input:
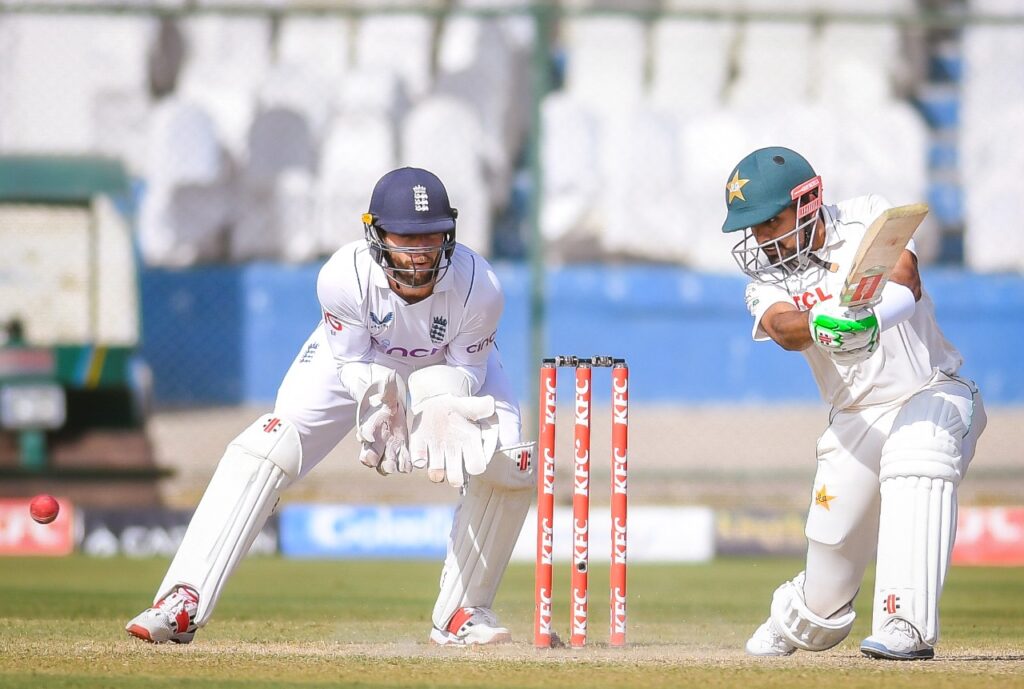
{"type": "Point", "coordinates": [44, 508]}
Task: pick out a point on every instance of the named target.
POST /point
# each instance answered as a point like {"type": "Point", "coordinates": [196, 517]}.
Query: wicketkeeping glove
{"type": "Point", "coordinates": [849, 337]}
{"type": "Point", "coordinates": [382, 428]}
{"type": "Point", "coordinates": [453, 433]}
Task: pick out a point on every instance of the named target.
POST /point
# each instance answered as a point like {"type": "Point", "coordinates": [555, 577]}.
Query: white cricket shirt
{"type": "Point", "coordinates": [365, 321]}
{"type": "Point", "coordinates": [909, 354]}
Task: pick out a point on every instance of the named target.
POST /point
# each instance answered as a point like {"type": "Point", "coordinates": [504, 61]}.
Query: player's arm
{"type": "Point", "coordinates": [905, 273]}
{"type": "Point", "coordinates": [379, 392]}
{"type": "Point", "coordinates": [469, 349]}
{"type": "Point", "coordinates": [787, 326]}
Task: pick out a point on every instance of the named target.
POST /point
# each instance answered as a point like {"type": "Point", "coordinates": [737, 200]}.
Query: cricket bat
{"type": "Point", "coordinates": [878, 253]}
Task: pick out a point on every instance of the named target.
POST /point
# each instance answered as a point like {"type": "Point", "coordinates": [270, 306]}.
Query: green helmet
{"type": "Point", "coordinates": [763, 184]}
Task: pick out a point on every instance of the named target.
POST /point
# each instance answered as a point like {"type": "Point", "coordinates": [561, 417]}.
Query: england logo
{"type": "Point", "coordinates": [419, 198]}
{"type": "Point", "coordinates": [438, 329]}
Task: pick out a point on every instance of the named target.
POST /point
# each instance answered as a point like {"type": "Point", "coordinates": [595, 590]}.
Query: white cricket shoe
{"type": "Point", "coordinates": [171, 619]}
{"type": "Point", "coordinates": [768, 641]}
{"type": "Point", "coordinates": [897, 640]}
{"type": "Point", "coordinates": [471, 627]}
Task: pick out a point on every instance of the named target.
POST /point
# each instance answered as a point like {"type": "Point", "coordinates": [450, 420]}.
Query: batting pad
{"type": "Point", "coordinates": [256, 467]}
{"type": "Point", "coordinates": [917, 528]}
{"type": "Point", "coordinates": [801, 626]}
{"type": "Point", "coordinates": [484, 532]}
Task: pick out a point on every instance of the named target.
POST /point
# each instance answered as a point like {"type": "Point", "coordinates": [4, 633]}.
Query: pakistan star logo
{"type": "Point", "coordinates": [735, 187]}
{"type": "Point", "coordinates": [822, 498]}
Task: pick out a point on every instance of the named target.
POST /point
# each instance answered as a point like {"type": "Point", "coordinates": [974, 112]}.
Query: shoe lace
{"type": "Point", "coordinates": [485, 616]}
{"type": "Point", "coordinates": [180, 598]}
{"type": "Point", "coordinates": [903, 627]}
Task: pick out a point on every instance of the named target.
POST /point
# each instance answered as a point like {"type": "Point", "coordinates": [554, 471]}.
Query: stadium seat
{"type": "Point", "coordinates": [358, 150]}
{"type": "Point", "coordinates": [991, 140]}
{"type": "Point", "coordinates": [280, 142]}
{"type": "Point", "coordinates": [606, 61]}
{"type": "Point", "coordinates": [443, 135]}
{"type": "Point", "coordinates": [690, 62]}
{"type": "Point", "coordinates": [65, 92]}
{"type": "Point", "coordinates": [227, 59]}
{"type": "Point", "coordinates": [643, 193]}
{"type": "Point", "coordinates": [479, 65]}
{"type": "Point", "coordinates": [187, 201]}
{"type": "Point", "coordinates": [401, 43]}
{"type": "Point", "coordinates": [570, 158]}
{"type": "Point", "coordinates": [773, 63]}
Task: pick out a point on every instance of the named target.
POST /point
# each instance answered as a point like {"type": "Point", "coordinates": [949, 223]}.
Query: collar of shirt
{"type": "Point", "coordinates": [380, 279]}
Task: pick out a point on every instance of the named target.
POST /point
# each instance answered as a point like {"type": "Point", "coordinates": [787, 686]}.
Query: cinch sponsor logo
{"type": "Point", "coordinates": [415, 353]}
{"type": "Point", "coordinates": [482, 344]}
{"type": "Point", "coordinates": [808, 299]}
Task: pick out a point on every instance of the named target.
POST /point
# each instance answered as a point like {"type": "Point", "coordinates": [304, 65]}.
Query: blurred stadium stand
{"type": "Point", "coordinates": [255, 132]}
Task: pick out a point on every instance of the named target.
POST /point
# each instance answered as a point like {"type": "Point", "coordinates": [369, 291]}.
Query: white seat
{"type": "Point", "coordinates": [359, 150]}
{"type": "Point", "coordinates": [443, 135]}
{"type": "Point", "coordinates": [690, 62]}
{"type": "Point", "coordinates": [188, 201]}
{"type": "Point", "coordinates": [85, 95]}
{"type": "Point", "coordinates": [226, 61]}
{"type": "Point", "coordinates": [773, 63]}
{"type": "Point", "coordinates": [570, 158]}
{"type": "Point", "coordinates": [280, 142]}
{"type": "Point", "coordinates": [991, 198]}
{"type": "Point", "coordinates": [478, 64]}
{"type": "Point", "coordinates": [318, 44]}
{"type": "Point", "coordinates": [646, 217]}
{"type": "Point", "coordinates": [606, 57]}
{"type": "Point", "coordinates": [862, 63]}
{"type": "Point", "coordinates": [400, 43]}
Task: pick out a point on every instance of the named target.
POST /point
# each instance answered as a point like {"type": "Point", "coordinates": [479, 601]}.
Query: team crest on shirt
{"type": "Point", "coordinates": [379, 324]}
{"type": "Point", "coordinates": [438, 329]}
{"type": "Point", "coordinates": [822, 498]}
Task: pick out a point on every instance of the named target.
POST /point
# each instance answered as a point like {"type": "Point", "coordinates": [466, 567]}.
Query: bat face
{"type": "Point", "coordinates": [878, 254]}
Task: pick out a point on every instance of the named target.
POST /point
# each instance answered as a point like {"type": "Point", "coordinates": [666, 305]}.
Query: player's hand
{"type": "Point", "coordinates": [849, 337]}
{"type": "Point", "coordinates": [454, 436]}
{"type": "Point", "coordinates": [382, 428]}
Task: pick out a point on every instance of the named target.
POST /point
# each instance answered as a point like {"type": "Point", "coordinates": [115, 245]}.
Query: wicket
{"type": "Point", "coordinates": [581, 499]}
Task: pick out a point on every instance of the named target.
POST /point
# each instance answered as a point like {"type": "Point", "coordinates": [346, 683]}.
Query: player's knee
{"type": "Point", "coordinates": [273, 439]}
{"type": "Point", "coordinates": [511, 467]}
{"type": "Point", "coordinates": [801, 626]}
{"type": "Point", "coordinates": [921, 452]}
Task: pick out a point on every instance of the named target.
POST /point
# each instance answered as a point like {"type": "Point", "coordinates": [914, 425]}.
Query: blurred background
{"type": "Point", "coordinates": [173, 174]}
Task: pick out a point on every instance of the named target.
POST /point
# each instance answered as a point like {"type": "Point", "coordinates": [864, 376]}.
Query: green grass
{"type": "Point", "coordinates": [291, 624]}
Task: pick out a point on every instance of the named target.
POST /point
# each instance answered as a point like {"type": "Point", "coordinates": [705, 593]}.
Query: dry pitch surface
{"type": "Point", "coordinates": [332, 624]}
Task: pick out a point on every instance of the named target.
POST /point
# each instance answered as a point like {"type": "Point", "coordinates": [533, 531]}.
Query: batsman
{"type": "Point", "coordinates": [903, 424]}
{"type": "Point", "coordinates": [405, 356]}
